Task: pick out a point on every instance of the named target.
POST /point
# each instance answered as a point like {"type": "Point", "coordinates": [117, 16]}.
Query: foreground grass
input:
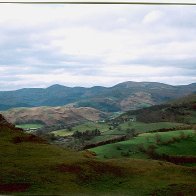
{"type": "Point", "coordinates": [48, 169]}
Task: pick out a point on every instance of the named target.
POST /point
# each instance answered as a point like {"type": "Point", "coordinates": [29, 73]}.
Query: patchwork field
{"type": "Point", "coordinates": [108, 133]}
{"type": "Point", "coordinates": [120, 130]}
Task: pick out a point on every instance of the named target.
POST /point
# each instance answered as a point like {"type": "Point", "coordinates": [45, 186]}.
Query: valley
{"type": "Point", "coordinates": [98, 98]}
{"type": "Point", "coordinates": [82, 149]}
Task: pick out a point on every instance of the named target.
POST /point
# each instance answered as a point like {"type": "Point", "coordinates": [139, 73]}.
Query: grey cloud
{"type": "Point", "coordinates": [20, 43]}
{"type": "Point", "coordinates": [189, 63]}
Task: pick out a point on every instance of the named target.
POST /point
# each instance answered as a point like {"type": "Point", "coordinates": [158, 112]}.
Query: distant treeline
{"type": "Point", "coordinates": [183, 127]}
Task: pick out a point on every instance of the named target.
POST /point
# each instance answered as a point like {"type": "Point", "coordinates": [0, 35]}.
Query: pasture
{"type": "Point", "coordinates": [82, 128]}
{"type": "Point", "coordinates": [131, 148]}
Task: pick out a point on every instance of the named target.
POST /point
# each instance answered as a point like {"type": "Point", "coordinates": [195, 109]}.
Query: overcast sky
{"type": "Point", "coordinates": [87, 45]}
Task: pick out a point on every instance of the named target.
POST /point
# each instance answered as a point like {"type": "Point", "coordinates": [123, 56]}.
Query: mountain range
{"type": "Point", "coordinates": [121, 97]}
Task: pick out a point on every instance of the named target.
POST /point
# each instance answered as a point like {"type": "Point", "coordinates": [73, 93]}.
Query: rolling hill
{"type": "Point", "coordinates": [53, 115]}
{"type": "Point", "coordinates": [121, 97]}
{"type": "Point", "coordinates": [181, 110]}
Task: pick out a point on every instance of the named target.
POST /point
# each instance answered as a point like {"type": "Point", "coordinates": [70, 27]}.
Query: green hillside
{"type": "Point", "coordinates": [180, 143]}
{"type": "Point", "coordinates": [31, 166]}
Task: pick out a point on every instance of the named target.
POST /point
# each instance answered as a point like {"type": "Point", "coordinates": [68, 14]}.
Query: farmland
{"type": "Point", "coordinates": [29, 126]}
{"type": "Point", "coordinates": [131, 148]}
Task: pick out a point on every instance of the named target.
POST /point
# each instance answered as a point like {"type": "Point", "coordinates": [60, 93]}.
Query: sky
{"type": "Point", "coordinates": [91, 45]}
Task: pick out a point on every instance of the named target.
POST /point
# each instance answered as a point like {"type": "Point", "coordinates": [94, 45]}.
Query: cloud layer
{"type": "Point", "coordinates": [86, 45]}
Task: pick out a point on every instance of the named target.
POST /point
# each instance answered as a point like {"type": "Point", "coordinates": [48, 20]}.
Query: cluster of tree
{"type": "Point", "coordinates": [182, 127]}
{"type": "Point", "coordinates": [86, 135]}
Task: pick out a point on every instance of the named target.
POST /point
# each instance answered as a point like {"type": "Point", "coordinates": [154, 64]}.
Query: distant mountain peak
{"type": "Point", "coordinates": [56, 86]}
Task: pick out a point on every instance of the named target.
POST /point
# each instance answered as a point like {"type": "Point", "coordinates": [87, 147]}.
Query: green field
{"type": "Point", "coordinates": [130, 148]}
{"type": "Point", "coordinates": [33, 168]}
{"type": "Point", "coordinates": [185, 147]}
{"type": "Point", "coordinates": [138, 126]}
{"type": "Point", "coordinates": [82, 127]}
{"type": "Point", "coordinates": [28, 126]}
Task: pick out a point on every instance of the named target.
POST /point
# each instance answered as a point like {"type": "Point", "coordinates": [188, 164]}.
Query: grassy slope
{"type": "Point", "coordinates": [51, 170]}
{"type": "Point", "coordinates": [117, 150]}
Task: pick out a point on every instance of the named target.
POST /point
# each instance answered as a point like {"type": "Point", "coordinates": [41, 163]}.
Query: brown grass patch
{"type": "Point", "coordinates": [14, 187]}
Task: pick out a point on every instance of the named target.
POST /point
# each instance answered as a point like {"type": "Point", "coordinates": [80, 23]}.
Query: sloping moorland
{"type": "Point", "coordinates": [49, 116]}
